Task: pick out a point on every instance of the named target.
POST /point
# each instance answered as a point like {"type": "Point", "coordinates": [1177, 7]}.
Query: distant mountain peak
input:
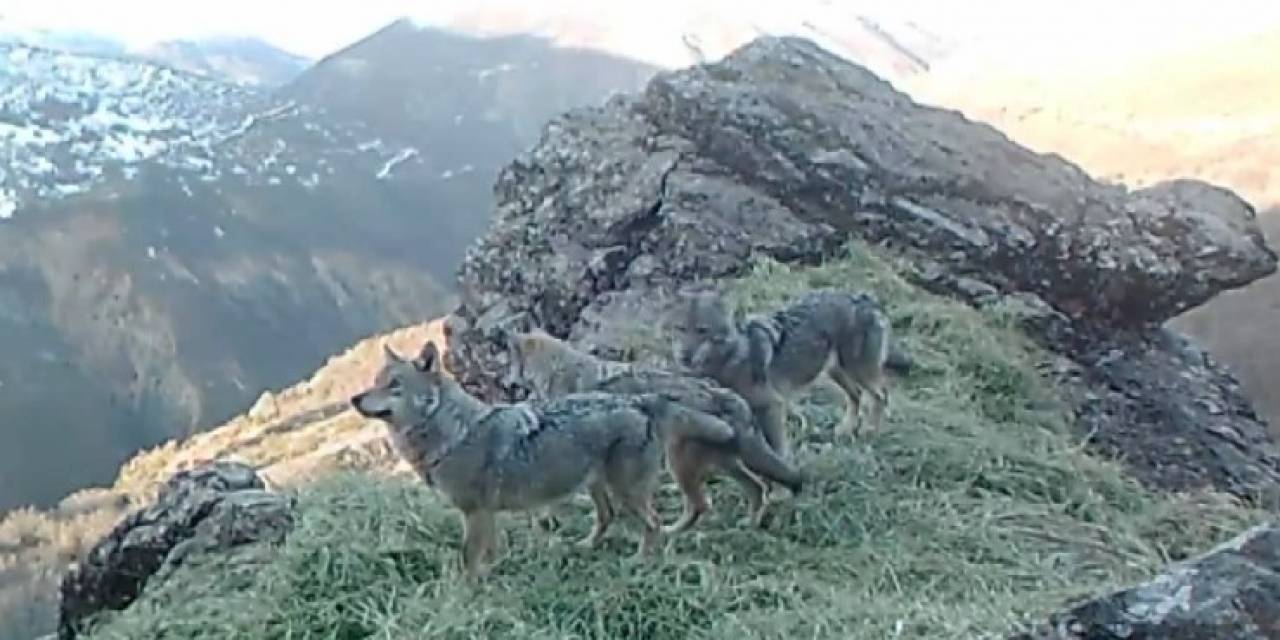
{"type": "Point", "coordinates": [241, 59]}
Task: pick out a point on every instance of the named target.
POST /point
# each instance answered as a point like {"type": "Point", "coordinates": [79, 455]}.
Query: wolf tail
{"type": "Point", "coordinates": [676, 420]}
{"type": "Point", "coordinates": [898, 361]}
{"type": "Point", "coordinates": [760, 458]}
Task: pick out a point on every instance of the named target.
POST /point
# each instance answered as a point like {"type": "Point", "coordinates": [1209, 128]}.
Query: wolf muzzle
{"type": "Point", "coordinates": [357, 403]}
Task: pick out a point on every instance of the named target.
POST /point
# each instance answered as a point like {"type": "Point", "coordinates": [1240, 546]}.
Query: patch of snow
{"type": "Point", "coordinates": [502, 68]}
{"type": "Point", "coordinates": [8, 204]}
{"type": "Point", "coordinates": [197, 163]}
{"type": "Point", "coordinates": [401, 156]}
{"type": "Point", "coordinates": [32, 135]}
{"type": "Point", "coordinates": [70, 119]}
{"type": "Point", "coordinates": [218, 232]}
{"type": "Point", "coordinates": [252, 120]}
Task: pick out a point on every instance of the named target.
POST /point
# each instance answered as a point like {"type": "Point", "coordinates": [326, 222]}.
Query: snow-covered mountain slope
{"type": "Point", "coordinates": [177, 244]}
{"type": "Point", "coordinates": [71, 122]}
{"type": "Point", "coordinates": [67, 121]}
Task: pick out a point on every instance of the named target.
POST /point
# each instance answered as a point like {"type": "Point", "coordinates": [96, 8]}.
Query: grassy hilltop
{"type": "Point", "coordinates": [973, 511]}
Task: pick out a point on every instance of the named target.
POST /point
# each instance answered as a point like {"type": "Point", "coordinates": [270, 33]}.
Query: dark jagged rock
{"type": "Point", "coordinates": [1230, 592]}
{"type": "Point", "coordinates": [784, 149]}
{"type": "Point", "coordinates": [217, 506]}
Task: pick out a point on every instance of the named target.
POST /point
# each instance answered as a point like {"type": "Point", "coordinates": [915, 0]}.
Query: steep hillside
{"type": "Point", "coordinates": [293, 435]}
{"type": "Point", "coordinates": [172, 245]}
{"type": "Point", "coordinates": [1051, 441]}
{"type": "Point", "coordinates": [463, 108]}
{"type": "Point", "coordinates": [248, 61]}
{"type": "Point", "coordinates": [973, 514]}
{"type": "Point", "coordinates": [1212, 112]}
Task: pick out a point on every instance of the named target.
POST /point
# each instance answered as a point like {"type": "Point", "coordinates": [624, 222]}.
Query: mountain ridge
{"type": "Point", "coordinates": [982, 466]}
{"type": "Point", "coordinates": [245, 233]}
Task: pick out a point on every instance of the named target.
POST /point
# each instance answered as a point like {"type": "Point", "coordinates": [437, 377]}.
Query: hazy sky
{"type": "Point", "coordinates": [317, 27]}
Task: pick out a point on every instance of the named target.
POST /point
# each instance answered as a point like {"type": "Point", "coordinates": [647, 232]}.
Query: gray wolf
{"type": "Point", "coordinates": [554, 368]}
{"type": "Point", "coordinates": [769, 358]}
{"type": "Point", "coordinates": [488, 458]}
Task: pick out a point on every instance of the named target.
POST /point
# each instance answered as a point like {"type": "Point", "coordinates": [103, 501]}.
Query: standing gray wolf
{"type": "Point", "coordinates": [490, 458]}
{"type": "Point", "coordinates": [770, 358]}
{"type": "Point", "coordinates": [553, 368]}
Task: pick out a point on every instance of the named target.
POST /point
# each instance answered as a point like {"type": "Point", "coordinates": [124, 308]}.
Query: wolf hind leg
{"type": "Point", "coordinates": [851, 393]}
{"type": "Point", "coordinates": [603, 515]}
{"type": "Point", "coordinates": [685, 460]}
{"type": "Point", "coordinates": [752, 486]}
{"type": "Point", "coordinates": [640, 503]}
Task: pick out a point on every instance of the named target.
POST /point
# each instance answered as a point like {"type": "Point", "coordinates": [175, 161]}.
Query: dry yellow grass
{"type": "Point", "coordinates": [294, 436]}
{"type": "Point", "coordinates": [1211, 113]}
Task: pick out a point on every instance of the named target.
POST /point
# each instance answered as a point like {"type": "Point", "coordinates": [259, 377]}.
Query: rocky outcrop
{"type": "Point", "coordinates": [784, 149]}
{"type": "Point", "coordinates": [217, 506]}
{"type": "Point", "coordinates": [1232, 591]}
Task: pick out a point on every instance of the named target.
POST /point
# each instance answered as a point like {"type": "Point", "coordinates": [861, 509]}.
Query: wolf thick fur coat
{"type": "Point", "coordinates": [487, 458]}
{"type": "Point", "coordinates": [553, 368]}
{"type": "Point", "coordinates": [770, 358]}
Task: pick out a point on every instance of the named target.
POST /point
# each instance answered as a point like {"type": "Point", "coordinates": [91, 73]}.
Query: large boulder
{"type": "Point", "coordinates": [784, 149]}
{"type": "Point", "coordinates": [214, 507]}
{"type": "Point", "coordinates": [1232, 592]}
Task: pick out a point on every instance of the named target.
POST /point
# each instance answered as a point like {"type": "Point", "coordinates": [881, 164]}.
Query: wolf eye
{"type": "Point", "coordinates": [394, 385]}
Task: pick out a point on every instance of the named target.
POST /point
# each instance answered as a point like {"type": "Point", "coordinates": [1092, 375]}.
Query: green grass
{"type": "Point", "coordinates": [973, 512]}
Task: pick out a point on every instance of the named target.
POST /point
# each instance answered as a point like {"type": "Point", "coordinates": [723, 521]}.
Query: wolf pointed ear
{"type": "Point", "coordinates": [428, 359]}
{"type": "Point", "coordinates": [390, 355]}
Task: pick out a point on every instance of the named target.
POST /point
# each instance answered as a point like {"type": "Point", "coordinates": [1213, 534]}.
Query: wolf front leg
{"type": "Point", "coordinates": [478, 529]}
